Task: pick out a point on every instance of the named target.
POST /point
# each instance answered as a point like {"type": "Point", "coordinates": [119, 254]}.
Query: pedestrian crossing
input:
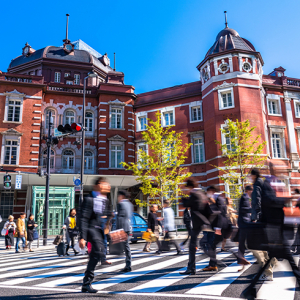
{"type": "Point", "coordinates": [151, 275]}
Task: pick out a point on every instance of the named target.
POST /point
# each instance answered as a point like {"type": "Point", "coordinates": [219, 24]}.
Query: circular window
{"type": "Point", "coordinates": [247, 67]}
{"type": "Point", "coordinates": [223, 68]}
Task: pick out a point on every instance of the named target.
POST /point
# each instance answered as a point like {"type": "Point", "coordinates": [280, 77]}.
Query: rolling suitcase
{"type": "Point", "coordinates": [62, 247]}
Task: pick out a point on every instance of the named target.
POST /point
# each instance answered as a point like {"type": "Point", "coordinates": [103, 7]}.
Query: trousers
{"type": "Point", "coordinates": [95, 237]}
{"type": "Point", "coordinates": [170, 235]}
{"type": "Point", "coordinates": [23, 241]}
{"type": "Point", "coordinates": [193, 249]}
{"type": "Point", "coordinates": [127, 252]}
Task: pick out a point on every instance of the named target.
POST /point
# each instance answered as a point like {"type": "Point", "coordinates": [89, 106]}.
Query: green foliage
{"type": "Point", "coordinates": [243, 151]}
{"type": "Point", "coordinates": [159, 169]}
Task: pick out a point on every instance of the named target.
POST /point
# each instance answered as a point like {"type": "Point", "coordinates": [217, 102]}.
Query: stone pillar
{"type": "Point", "coordinates": [294, 157]}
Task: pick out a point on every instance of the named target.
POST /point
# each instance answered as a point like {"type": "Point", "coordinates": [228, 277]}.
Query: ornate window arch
{"type": "Point", "coordinates": [69, 116]}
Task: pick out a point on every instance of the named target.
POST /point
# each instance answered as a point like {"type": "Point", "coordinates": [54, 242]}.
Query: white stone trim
{"type": "Point", "coordinates": [14, 137]}
{"type": "Point", "coordinates": [167, 110]}
{"type": "Point", "coordinates": [274, 97]}
{"type": "Point", "coordinates": [195, 104]}
{"type": "Point", "coordinates": [227, 91]}
{"type": "Point", "coordinates": [37, 104]}
{"type": "Point", "coordinates": [34, 152]}
{"type": "Point", "coordinates": [36, 124]}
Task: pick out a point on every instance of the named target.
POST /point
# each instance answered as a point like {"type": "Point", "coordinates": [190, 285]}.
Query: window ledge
{"type": "Point", "coordinates": [140, 130]}
{"type": "Point", "coordinates": [6, 165]}
{"type": "Point", "coordinates": [116, 128]}
{"type": "Point", "coordinates": [196, 121]}
{"type": "Point", "coordinates": [223, 108]}
{"type": "Point", "coordinates": [116, 168]}
{"type": "Point", "coordinates": [275, 115]}
{"type": "Point", "coordinates": [12, 122]}
{"type": "Point", "coordinates": [281, 158]}
{"type": "Point", "coordinates": [198, 163]}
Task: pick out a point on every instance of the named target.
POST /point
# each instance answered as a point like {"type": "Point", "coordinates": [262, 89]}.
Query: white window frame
{"type": "Point", "coordinates": [278, 130]}
{"type": "Point", "coordinates": [116, 144]}
{"type": "Point", "coordinates": [138, 124]}
{"type": "Point", "coordinates": [90, 132]}
{"type": "Point", "coordinates": [194, 105]}
{"type": "Point", "coordinates": [57, 77]}
{"type": "Point", "coordinates": [65, 116]}
{"type": "Point", "coordinates": [275, 98]}
{"type": "Point", "coordinates": [13, 96]}
{"type": "Point", "coordinates": [193, 138]}
{"type": "Point", "coordinates": [77, 79]}
{"type": "Point", "coordinates": [86, 170]}
{"type": "Point", "coordinates": [165, 110]}
{"type": "Point", "coordinates": [221, 92]}
{"type": "Point", "coordinates": [67, 74]}
{"type": "Point", "coordinates": [66, 170]}
{"type": "Point", "coordinates": [16, 138]}
{"type": "Point", "coordinates": [297, 104]}
{"type": "Point", "coordinates": [69, 82]}
{"type": "Point", "coordinates": [122, 117]}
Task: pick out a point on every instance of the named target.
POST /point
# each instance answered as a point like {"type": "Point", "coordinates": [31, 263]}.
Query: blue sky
{"type": "Point", "coordinates": [158, 43]}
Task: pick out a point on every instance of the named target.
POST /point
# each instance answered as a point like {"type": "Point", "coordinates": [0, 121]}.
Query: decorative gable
{"type": "Point", "coordinates": [117, 102]}
{"type": "Point", "coordinates": [117, 138]}
{"type": "Point", "coordinates": [11, 131]}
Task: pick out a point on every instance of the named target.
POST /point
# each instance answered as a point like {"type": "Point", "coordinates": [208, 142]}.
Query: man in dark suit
{"type": "Point", "coordinates": [243, 221]}
{"type": "Point", "coordinates": [94, 208]}
{"type": "Point", "coordinates": [200, 212]}
{"type": "Point", "coordinates": [124, 214]}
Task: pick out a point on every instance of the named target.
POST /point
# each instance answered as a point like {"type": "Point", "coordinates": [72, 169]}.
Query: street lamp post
{"type": "Point", "coordinates": [90, 75]}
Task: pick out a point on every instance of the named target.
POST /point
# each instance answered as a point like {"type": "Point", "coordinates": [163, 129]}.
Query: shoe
{"type": "Point", "coordinates": [88, 289]}
{"type": "Point", "coordinates": [125, 270]}
{"type": "Point", "coordinates": [76, 253]}
{"type": "Point", "coordinates": [223, 250]}
{"type": "Point", "coordinates": [158, 252]}
{"type": "Point", "coordinates": [146, 250]}
{"type": "Point", "coordinates": [266, 277]}
{"type": "Point", "coordinates": [31, 250]}
{"type": "Point", "coordinates": [243, 261]}
{"type": "Point", "coordinates": [67, 254]}
{"type": "Point", "coordinates": [188, 272]}
{"type": "Point", "coordinates": [209, 268]}
{"type": "Point", "coordinates": [105, 263]}
{"type": "Point", "coordinates": [179, 252]}
{"type": "Point", "coordinates": [18, 252]}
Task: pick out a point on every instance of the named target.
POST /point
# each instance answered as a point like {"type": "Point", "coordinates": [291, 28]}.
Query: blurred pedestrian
{"type": "Point", "coordinates": [21, 232]}
{"type": "Point", "coordinates": [169, 225]}
{"type": "Point", "coordinates": [256, 195]}
{"type": "Point", "coordinates": [152, 222]}
{"type": "Point", "coordinates": [93, 208]}
{"type": "Point", "coordinates": [200, 212]}
{"type": "Point", "coordinates": [72, 232]}
{"type": "Point", "coordinates": [30, 229]}
{"type": "Point", "coordinates": [10, 227]}
{"type": "Point", "coordinates": [124, 214]}
{"type": "Point", "coordinates": [187, 220]}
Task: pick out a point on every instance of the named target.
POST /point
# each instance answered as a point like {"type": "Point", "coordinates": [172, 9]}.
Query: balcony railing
{"type": "Point", "coordinates": [293, 82]}
{"type": "Point", "coordinates": [68, 90]}
{"type": "Point", "coordinates": [21, 78]}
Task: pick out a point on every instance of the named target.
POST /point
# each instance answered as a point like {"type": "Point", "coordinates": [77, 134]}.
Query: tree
{"type": "Point", "coordinates": [243, 151]}
{"type": "Point", "coordinates": [159, 170]}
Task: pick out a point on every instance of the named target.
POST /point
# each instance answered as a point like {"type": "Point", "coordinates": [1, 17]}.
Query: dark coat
{"type": "Point", "coordinates": [152, 221]}
{"type": "Point", "coordinates": [256, 199]}
{"type": "Point", "coordinates": [124, 215]}
{"type": "Point", "coordinates": [272, 206]}
{"type": "Point", "coordinates": [187, 219]}
{"type": "Point", "coordinates": [200, 210]}
{"type": "Point", "coordinates": [90, 220]}
{"type": "Point", "coordinates": [219, 208]}
{"type": "Point", "coordinates": [30, 229]}
{"type": "Point", "coordinates": [244, 211]}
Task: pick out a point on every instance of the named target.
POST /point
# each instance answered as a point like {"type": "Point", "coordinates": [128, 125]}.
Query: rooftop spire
{"type": "Point", "coordinates": [67, 27]}
{"type": "Point", "coordinates": [226, 24]}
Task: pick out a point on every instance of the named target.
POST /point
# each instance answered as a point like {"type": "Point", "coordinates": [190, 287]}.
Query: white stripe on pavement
{"type": "Point", "coordinates": [216, 284]}
{"type": "Point", "coordinates": [283, 285]}
{"type": "Point", "coordinates": [171, 278]}
{"type": "Point", "coordinates": [70, 279]}
{"type": "Point", "coordinates": [14, 256]}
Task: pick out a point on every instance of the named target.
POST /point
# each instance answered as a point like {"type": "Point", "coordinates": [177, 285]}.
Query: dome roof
{"type": "Point", "coordinates": [229, 39]}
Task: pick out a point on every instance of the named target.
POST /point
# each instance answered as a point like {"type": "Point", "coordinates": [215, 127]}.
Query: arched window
{"type": "Point", "coordinates": [89, 121]}
{"type": "Point", "coordinates": [68, 160]}
{"type": "Point", "coordinates": [69, 117]}
{"type": "Point", "coordinates": [47, 117]}
{"type": "Point", "coordinates": [51, 159]}
{"type": "Point", "coordinates": [88, 160]}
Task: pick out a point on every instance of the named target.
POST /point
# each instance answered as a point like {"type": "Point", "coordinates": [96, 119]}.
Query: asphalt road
{"type": "Point", "coordinates": [43, 275]}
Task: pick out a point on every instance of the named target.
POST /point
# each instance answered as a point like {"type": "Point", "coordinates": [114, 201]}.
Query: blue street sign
{"type": "Point", "coordinates": [77, 182]}
{"type": "Point", "coordinates": [18, 185]}
{"type": "Point", "coordinates": [57, 133]}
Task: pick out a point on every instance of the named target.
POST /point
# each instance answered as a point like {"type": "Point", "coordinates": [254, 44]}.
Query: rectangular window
{"type": "Point", "coordinates": [14, 109]}
{"type": "Point", "coordinates": [297, 110]}
{"type": "Point", "coordinates": [277, 145]}
{"type": "Point", "coordinates": [116, 118]}
{"type": "Point", "coordinates": [168, 118]}
{"type": "Point", "coordinates": [196, 114]}
{"type": "Point", "coordinates": [11, 151]}
{"type": "Point", "coordinates": [77, 79]}
{"type": "Point", "coordinates": [67, 74]}
{"type": "Point", "coordinates": [116, 156]}
{"type": "Point", "coordinates": [57, 77]}
{"type": "Point", "coordinates": [226, 100]}
{"type": "Point", "coordinates": [273, 107]}
{"type": "Point", "coordinates": [69, 82]}
{"type": "Point", "coordinates": [198, 150]}
{"type": "Point", "coordinates": [142, 122]}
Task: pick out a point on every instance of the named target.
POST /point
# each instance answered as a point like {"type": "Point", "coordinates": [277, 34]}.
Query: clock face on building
{"type": "Point", "coordinates": [69, 47]}
{"type": "Point", "coordinates": [26, 50]}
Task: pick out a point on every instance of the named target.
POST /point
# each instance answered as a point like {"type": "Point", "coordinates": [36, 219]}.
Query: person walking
{"type": "Point", "coordinates": [187, 220]}
{"type": "Point", "coordinates": [93, 208]}
{"type": "Point", "coordinates": [30, 229]}
{"type": "Point", "coordinates": [124, 214]}
{"type": "Point", "coordinates": [10, 227]}
{"type": "Point", "coordinates": [21, 232]}
{"type": "Point", "coordinates": [153, 226]}
{"type": "Point", "coordinates": [71, 230]}
{"type": "Point", "coordinates": [200, 212]}
{"type": "Point", "coordinates": [169, 225]}
{"type": "Point", "coordinates": [256, 195]}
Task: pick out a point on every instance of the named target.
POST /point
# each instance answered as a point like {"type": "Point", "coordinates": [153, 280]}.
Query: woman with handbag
{"type": "Point", "coordinates": [10, 227]}
{"type": "Point", "coordinates": [72, 230]}
{"type": "Point", "coordinates": [30, 231]}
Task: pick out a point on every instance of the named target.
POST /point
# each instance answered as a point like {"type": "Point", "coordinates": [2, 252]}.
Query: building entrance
{"type": "Point", "coordinates": [61, 200]}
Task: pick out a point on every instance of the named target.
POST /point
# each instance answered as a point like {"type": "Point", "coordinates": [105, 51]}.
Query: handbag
{"type": "Point", "coordinates": [78, 249]}
{"type": "Point", "coordinates": [165, 245]}
{"type": "Point", "coordinates": [58, 238]}
{"type": "Point", "coordinates": [3, 231]}
{"type": "Point", "coordinates": [118, 236]}
{"type": "Point", "coordinates": [35, 235]}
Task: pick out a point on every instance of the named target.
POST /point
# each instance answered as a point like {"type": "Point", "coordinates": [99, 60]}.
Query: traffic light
{"type": "Point", "coordinates": [73, 128]}
{"type": "Point", "coordinates": [55, 141]}
{"type": "Point", "coordinates": [7, 182]}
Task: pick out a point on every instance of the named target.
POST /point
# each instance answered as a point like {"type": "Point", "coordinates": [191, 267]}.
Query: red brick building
{"type": "Point", "coordinates": [231, 85]}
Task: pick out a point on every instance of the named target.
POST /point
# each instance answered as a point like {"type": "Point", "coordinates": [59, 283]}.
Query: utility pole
{"type": "Point", "coordinates": [46, 211]}
{"type": "Point", "coordinates": [82, 142]}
